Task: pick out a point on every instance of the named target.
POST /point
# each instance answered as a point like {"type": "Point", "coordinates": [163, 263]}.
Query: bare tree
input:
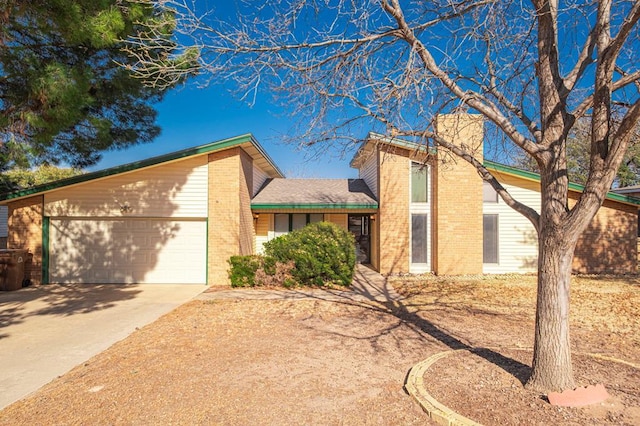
{"type": "Point", "coordinates": [532, 69]}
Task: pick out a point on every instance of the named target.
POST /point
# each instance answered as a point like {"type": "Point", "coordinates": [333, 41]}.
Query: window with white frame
{"type": "Point", "coordinates": [420, 218]}
{"type": "Point", "coordinates": [419, 183]}
{"type": "Point", "coordinates": [489, 195]}
{"type": "Point", "coordinates": [281, 224]}
{"type": "Point", "coordinates": [419, 238]}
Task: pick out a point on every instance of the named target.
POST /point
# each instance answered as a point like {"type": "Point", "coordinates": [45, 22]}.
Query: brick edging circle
{"type": "Point", "coordinates": [444, 415]}
{"type": "Point", "coordinates": [436, 411]}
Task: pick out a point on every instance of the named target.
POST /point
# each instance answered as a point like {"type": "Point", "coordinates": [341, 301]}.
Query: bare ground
{"type": "Point", "coordinates": [296, 362]}
{"type": "Point", "coordinates": [491, 319]}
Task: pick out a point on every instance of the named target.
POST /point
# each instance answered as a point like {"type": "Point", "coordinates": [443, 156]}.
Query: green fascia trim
{"type": "Point", "coordinates": [536, 177]}
{"type": "Point", "coordinates": [401, 143]}
{"type": "Point", "coordinates": [314, 206]}
{"type": "Point", "coordinates": [262, 152]}
{"type": "Point", "coordinates": [45, 250]}
{"type": "Point", "coordinates": [189, 152]}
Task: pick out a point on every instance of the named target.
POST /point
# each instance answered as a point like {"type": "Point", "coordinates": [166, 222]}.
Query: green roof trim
{"type": "Point", "coordinates": [491, 165]}
{"type": "Point", "coordinates": [387, 140]}
{"type": "Point", "coordinates": [314, 206]}
{"type": "Point", "coordinates": [177, 155]}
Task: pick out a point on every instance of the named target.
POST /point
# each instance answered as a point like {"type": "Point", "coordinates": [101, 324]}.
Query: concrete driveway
{"type": "Point", "coordinates": [46, 331]}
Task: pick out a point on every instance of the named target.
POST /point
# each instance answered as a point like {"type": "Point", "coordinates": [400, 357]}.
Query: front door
{"type": "Point", "coordinates": [359, 227]}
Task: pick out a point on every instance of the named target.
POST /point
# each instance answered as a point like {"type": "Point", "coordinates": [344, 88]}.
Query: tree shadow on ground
{"type": "Point", "coordinates": [372, 292]}
{"type": "Point", "coordinates": [517, 369]}
{"type": "Point", "coordinates": [61, 300]}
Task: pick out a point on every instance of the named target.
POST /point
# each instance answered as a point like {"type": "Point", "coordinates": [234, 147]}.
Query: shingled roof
{"type": "Point", "coordinates": [314, 194]}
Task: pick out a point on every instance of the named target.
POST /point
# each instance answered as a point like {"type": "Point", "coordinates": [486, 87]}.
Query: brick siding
{"type": "Point", "coordinates": [393, 212]}
{"type": "Point", "coordinates": [25, 231]}
{"type": "Point", "coordinates": [230, 219]}
{"type": "Point", "coordinates": [247, 231]}
{"type": "Point", "coordinates": [609, 244]}
{"type": "Point", "coordinates": [458, 199]}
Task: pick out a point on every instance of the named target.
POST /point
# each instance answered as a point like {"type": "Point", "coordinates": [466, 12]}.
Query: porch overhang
{"type": "Point", "coordinates": [315, 196]}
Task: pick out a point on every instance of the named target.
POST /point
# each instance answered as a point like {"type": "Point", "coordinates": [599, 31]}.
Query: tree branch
{"type": "Point", "coordinates": [471, 98]}
{"type": "Point", "coordinates": [485, 174]}
{"type": "Point", "coordinates": [584, 60]}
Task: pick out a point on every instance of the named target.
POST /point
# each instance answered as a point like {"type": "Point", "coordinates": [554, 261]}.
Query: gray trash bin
{"type": "Point", "coordinates": [12, 269]}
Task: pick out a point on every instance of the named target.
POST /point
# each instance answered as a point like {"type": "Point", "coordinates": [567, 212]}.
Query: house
{"type": "Point", "coordinates": [631, 191]}
{"type": "Point", "coordinates": [177, 218]}
{"type": "Point", "coordinates": [442, 218]}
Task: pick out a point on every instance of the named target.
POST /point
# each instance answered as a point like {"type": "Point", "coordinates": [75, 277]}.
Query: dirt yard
{"type": "Point", "coordinates": [491, 321]}
{"type": "Point", "coordinates": [268, 362]}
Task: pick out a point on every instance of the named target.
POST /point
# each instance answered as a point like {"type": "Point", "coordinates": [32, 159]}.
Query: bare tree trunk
{"type": "Point", "coordinates": [552, 369]}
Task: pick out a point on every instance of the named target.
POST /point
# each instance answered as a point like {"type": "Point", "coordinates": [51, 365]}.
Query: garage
{"type": "Point", "coordinates": [172, 219]}
{"type": "Point", "coordinates": [140, 250]}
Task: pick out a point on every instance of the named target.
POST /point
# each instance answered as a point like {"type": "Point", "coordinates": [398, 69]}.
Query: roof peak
{"type": "Point", "coordinates": [247, 140]}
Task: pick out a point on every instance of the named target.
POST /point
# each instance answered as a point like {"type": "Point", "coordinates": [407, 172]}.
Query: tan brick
{"type": "Point", "coordinates": [247, 231]}
{"type": "Point", "coordinates": [25, 231]}
{"type": "Point", "coordinates": [230, 219]}
{"type": "Point", "coordinates": [458, 199]}
{"type": "Point", "coordinates": [393, 212]}
{"type": "Point", "coordinates": [609, 244]}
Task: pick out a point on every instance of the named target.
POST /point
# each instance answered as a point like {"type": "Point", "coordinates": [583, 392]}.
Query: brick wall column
{"type": "Point", "coordinates": [230, 220]}
{"type": "Point", "coordinates": [25, 231]}
{"type": "Point", "coordinates": [247, 229]}
{"type": "Point", "coordinates": [457, 200]}
{"type": "Point", "coordinates": [393, 211]}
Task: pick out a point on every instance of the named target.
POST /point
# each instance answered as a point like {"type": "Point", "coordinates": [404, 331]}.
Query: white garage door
{"type": "Point", "coordinates": [127, 251]}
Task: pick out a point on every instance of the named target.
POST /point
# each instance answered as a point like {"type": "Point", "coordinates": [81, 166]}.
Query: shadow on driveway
{"type": "Point", "coordinates": [64, 300]}
{"type": "Point", "coordinates": [47, 330]}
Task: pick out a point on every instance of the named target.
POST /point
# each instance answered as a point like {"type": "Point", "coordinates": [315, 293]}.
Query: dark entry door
{"type": "Point", "coordinates": [359, 227]}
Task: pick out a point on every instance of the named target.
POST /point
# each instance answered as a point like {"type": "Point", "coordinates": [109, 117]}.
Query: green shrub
{"type": "Point", "coordinates": [323, 254]}
{"type": "Point", "coordinates": [243, 270]}
{"type": "Point", "coordinates": [255, 271]}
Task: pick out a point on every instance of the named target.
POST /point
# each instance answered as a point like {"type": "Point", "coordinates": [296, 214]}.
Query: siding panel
{"type": "Point", "coordinates": [517, 238]}
{"type": "Point", "coordinates": [259, 178]}
{"type": "Point", "coordinates": [171, 190]}
{"type": "Point", "coordinates": [369, 173]}
{"type": "Point", "coordinates": [264, 231]}
{"type": "Point", "coordinates": [342, 220]}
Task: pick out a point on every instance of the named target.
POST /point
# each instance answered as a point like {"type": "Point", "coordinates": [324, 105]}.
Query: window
{"type": "Point", "coordinates": [281, 224]}
{"type": "Point", "coordinates": [419, 240]}
{"type": "Point", "coordinates": [316, 217]}
{"type": "Point", "coordinates": [489, 195]}
{"type": "Point", "coordinates": [490, 238]}
{"type": "Point", "coordinates": [420, 221]}
{"type": "Point", "coordinates": [287, 222]}
{"type": "Point", "coordinates": [298, 221]}
{"type": "Point", "coordinates": [419, 183]}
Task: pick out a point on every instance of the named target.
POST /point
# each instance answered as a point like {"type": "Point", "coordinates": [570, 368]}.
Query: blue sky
{"type": "Point", "coordinates": [192, 116]}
